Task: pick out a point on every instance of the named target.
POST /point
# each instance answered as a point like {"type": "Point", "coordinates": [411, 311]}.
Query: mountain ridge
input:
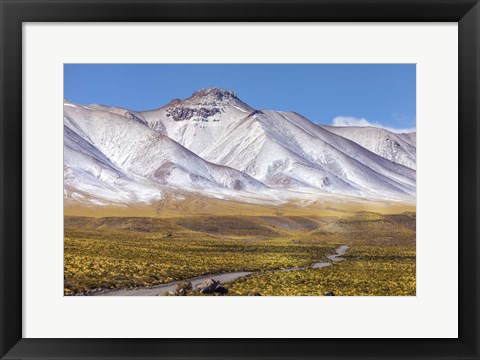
{"type": "Point", "coordinates": [397, 147]}
{"type": "Point", "coordinates": [215, 144]}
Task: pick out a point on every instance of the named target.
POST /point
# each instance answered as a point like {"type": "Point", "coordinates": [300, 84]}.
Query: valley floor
{"type": "Point", "coordinates": [273, 253]}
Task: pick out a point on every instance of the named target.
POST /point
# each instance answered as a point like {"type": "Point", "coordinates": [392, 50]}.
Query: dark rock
{"type": "Point", "coordinates": [207, 286]}
{"type": "Point", "coordinates": [330, 293]}
{"type": "Point", "coordinates": [221, 290]}
{"type": "Point", "coordinates": [180, 113]}
{"type": "Point", "coordinates": [205, 113]}
{"type": "Point", "coordinates": [185, 113]}
{"type": "Point", "coordinates": [254, 293]}
{"type": "Point", "coordinates": [256, 112]}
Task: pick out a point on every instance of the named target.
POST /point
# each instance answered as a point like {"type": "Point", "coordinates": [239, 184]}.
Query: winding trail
{"type": "Point", "coordinates": [222, 278]}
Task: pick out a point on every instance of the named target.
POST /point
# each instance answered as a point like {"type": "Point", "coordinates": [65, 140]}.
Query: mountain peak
{"type": "Point", "coordinates": [217, 93]}
{"type": "Point", "coordinates": [212, 96]}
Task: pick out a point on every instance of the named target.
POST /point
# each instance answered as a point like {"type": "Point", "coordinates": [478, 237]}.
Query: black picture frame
{"type": "Point", "coordinates": [15, 12]}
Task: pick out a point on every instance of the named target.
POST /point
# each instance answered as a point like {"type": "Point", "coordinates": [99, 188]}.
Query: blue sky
{"type": "Point", "coordinates": [381, 95]}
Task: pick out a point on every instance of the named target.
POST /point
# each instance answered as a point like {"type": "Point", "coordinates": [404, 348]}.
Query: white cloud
{"type": "Point", "coordinates": [353, 121]}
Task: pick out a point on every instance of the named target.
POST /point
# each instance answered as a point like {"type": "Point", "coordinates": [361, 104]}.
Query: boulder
{"type": "Point", "coordinates": [254, 293]}
{"type": "Point", "coordinates": [221, 290]}
{"type": "Point", "coordinates": [330, 293]}
{"type": "Point", "coordinates": [207, 286]}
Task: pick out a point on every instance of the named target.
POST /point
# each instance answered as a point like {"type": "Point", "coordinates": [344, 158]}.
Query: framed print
{"type": "Point", "coordinates": [248, 180]}
{"type": "Point", "coordinates": [238, 185]}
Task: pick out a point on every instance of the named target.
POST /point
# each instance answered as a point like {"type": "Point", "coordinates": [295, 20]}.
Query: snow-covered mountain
{"type": "Point", "coordinates": [214, 144]}
{"type": "Point", "coordinates": [288, 151]}
{"type": "Point", "coordinates": [104, 149]}
{"type": "Point", "coordinates": [400, 148]}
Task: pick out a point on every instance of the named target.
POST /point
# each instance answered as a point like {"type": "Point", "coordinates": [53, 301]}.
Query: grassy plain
{"type": "Point", "coordinates": [122, 251]}
{"type": "Point", "coordinates": [378, 270]}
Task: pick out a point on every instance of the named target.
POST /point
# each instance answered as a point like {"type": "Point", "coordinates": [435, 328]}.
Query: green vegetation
{"type": "Point", "coordinates": [124, 252]}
